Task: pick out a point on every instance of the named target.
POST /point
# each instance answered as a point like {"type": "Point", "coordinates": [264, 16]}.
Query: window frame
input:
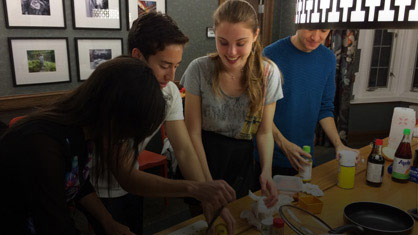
{"type": "Point", "coordinates": [399, 87]}
{"type": "Point", "coordinates": [415, 70]}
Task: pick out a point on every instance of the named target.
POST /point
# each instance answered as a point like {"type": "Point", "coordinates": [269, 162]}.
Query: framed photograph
{"type": "Point", "coordinates": [210, 32]}
{"type": "Point", "coordinates": [136, 8]}
{"type": "Point", "coordinates": [96, 14]}
{"type": "Point", "coordinates": [39, 60]}
{"type": "Point", "coordinates": [93, 51]}
{"type": "Point", "coordinates": [34, 14]}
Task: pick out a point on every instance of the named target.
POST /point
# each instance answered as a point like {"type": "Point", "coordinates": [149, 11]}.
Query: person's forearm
{"type": "Point", "coordinates": [198, 146]}
{"type": "Point", "coordinates": [265, 141]}
{"type": "Point", "coordinates": [193, 121]}
{"type": "Point", "coordinates": [265, 149]}
{"type": "Point", "coordinates": [190, 166]}
{"type": "Point", "coordinates": [95, 207]}
{"type": "Point", "coordinates": [149, 185]}
{"type": "Point", "coordinates": [184, 151]}
{"type": "Point", "coordinates": [278, 136]}
{"type": "Point", "coordinates": [328, 125]}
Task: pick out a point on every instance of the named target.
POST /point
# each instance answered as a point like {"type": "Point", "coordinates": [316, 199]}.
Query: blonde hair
{"type": "Point", "coordinates": [237, 11]}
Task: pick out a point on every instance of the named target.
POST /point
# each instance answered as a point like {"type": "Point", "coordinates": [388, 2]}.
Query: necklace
{"type": "Point", "coordinates": [232, 75]}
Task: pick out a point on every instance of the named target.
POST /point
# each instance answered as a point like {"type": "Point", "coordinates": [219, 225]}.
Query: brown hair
{"type": "Point", "coordinates": [152, 32]}
{"type": "Point", "coordinates": [237, 11]}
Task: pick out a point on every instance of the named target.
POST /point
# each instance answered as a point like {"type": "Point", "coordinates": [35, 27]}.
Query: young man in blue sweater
{"type": "Point", "coordinates": [308, 70]}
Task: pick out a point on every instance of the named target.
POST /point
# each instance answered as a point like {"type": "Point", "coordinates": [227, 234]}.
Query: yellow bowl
{"type": "Point", "coordinates": [311, 204]}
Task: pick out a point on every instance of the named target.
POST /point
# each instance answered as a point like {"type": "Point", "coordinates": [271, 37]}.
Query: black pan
{"type": "Point", "coordinates": [379, 218]}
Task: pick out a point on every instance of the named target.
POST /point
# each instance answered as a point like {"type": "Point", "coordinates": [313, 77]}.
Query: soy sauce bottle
{"type": "Point", "coordinates": [403, 158]}
{"type": "Point", "coordinates": [375, 165]}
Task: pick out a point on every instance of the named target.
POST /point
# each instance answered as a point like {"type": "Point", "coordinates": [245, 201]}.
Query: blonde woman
{"type": "Point", "coordinates": [230, 100]}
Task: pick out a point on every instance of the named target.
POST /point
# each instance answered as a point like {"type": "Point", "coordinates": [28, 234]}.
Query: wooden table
{"type": "Point", "coordinates": [404, 196]}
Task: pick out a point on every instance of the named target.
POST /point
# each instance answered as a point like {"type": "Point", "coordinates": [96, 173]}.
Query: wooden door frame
{"type": "Point", "coordinates": [267, 27]}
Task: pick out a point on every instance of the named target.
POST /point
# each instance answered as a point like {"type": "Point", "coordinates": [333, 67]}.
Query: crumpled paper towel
{"type": "Point", "coordinates": [312, 189]}
{"type": "Point", "coordinates": [250, 217]}
{"type": "Point", "coordinates": [259, 211]}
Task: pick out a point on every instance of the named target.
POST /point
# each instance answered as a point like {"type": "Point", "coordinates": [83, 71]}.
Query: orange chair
{"type": "Point", "coordinates": [147, 159]}
{"type": "Point", "coordinates": [14, 120]}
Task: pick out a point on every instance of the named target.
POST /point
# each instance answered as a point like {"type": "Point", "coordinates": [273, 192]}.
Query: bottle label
{"type": "Point", "coordinates": [374, 172]}
{"type": "Point", "coordinates": [401, 168]}
{"type": "Point", "coordinates": [346, 177]}
{"type": "Point", "coordinates": [307, 173]}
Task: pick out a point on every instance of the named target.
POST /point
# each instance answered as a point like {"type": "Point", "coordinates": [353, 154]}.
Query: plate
{"type": "Point", "coordinates": [388, 153]}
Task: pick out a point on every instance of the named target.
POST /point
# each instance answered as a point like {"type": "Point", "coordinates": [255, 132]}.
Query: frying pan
{"type": "Point", "coordinates": [362, 218]}
{"type": "Point", "coordinates": [379, 218]}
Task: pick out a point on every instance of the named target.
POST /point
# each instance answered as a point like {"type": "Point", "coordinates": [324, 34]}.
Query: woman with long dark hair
{"type": "Point", "coordinates": [46, 157]}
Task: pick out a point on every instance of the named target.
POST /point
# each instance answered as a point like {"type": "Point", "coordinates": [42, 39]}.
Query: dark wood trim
{"type": "Point", "coordinates": [355, 137]}
{"type": "Point", "coordinates": [267, 31]}
{"type": "Point", "coordinates": [8, 103]}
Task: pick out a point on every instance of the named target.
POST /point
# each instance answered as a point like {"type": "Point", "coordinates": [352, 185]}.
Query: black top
{"type": "Point", "coordinates": [40, 166]}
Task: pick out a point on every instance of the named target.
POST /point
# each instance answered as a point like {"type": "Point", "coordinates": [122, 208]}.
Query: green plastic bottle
{"type": "Point", "coordinates": [307, 173]}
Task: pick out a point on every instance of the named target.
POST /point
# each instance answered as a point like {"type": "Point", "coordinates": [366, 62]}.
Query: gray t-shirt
{"type": "Point", "coordinates": [225, 115]}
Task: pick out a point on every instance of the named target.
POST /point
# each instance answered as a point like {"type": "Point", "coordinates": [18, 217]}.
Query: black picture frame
{"type": "Point", "coordinates": [84, 65]}
{"type": "Point", "coordinates": [51, 17]}
{"type": "Point", "coordinates": [110, 22]}
{"type": "Point", "coordinates": [57, 70]}
{"type": "Point", "coordinates": [210, 32]}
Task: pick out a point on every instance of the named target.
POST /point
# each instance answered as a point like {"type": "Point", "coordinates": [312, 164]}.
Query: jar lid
{"type": "Point", "coordinates": [278, 222]}
{"type": "Point", "coordinates": [348, 158]}
{"type": "Point", "coordinates": [307, 148]}
{"type": "Point", "coordinates": [267, 221]}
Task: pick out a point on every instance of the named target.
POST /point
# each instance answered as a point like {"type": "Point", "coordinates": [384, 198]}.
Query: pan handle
{"type": "Point", "coordinates": [347, 228]}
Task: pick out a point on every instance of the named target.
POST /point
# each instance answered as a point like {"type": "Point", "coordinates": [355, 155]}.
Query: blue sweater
{"type": "Point", "coordinates": [308, 89]}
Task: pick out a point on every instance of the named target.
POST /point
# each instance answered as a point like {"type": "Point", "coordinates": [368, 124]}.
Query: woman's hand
{"type": "Point", "coordinates": [269, 189]}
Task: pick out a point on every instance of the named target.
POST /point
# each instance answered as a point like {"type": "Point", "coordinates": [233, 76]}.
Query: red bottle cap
{"type": "Point", "coordinates": [379, 142]}
{"type": "Point", "coordinates": [278, 222]}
